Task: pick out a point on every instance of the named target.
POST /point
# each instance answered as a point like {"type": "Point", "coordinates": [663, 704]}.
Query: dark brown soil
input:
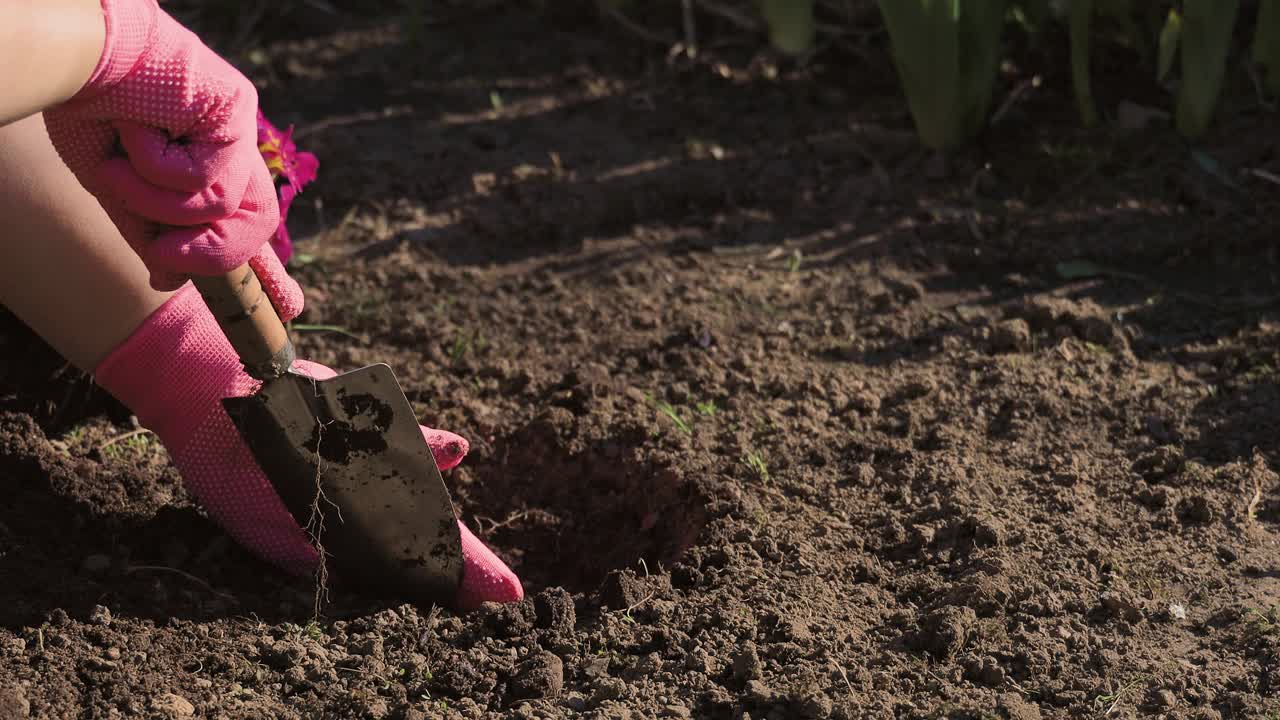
{"type": "Point", "coordinates": [920, 469]}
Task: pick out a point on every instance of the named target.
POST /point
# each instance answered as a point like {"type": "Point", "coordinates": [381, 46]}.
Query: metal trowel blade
{"type": "Point", "coordinates": [347, 457]}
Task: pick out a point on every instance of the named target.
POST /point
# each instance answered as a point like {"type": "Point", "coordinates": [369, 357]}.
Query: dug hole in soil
{"type": "Point", "coordinates": [774, 416]}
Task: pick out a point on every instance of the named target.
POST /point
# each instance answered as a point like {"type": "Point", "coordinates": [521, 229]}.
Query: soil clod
{"type": "Point", "coordinates": [541, 676]}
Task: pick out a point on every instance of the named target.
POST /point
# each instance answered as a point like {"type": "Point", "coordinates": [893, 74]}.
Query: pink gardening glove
{"type": "Point", "coordinates": [173, 373]}
{"type": "Point", "coordinates": [164, 134]}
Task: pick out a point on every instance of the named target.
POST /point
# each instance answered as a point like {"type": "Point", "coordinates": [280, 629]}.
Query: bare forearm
{"type": "Point", "coordinates": [48, 49]}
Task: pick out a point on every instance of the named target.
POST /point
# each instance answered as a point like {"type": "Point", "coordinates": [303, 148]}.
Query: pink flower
{"type": "Point", "coordinates": [292, 170]}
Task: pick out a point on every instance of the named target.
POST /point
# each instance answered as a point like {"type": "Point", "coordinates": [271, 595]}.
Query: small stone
{"type": "Point", "coordinates": [1177, 611]}
{"type": "Point", "coordinates": [112, 653]}
{"type": "Point", "coordinates": [96, 564]}
{"type": "Point", "coordinates": [173, 706]}
{"type": "Point", "coordinates": [676, 710]}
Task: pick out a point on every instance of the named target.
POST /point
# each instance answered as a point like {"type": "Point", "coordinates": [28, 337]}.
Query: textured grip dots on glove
{"type": "Point", "coordinates": [165, 135]}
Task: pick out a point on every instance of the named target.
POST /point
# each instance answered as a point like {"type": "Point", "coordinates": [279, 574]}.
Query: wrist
{"type": "Point", "coordinates": [175, 368]}
{"type": "Point", "coordinates": [128, 29]}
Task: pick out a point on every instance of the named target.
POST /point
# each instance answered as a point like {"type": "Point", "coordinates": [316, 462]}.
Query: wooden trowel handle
{"type": "Point", "coordinates": [245, 313]}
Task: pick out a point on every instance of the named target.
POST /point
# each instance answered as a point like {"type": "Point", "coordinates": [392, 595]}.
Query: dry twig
{"type": "Point", "coordinates": [183, 573]}
{"type": "Point", "coordinates": [1256, 472]}
{"type": "Point", "coordinates": [121, 438]}
{"type": "Point", "coordinates": [845, 677]}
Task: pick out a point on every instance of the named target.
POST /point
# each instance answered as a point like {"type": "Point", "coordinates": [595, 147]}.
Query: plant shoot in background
{"type": "Point", "coordinates": [791, 25]}
{"type": "Point", "coordinates": [1203, 37]}
{"type": "Point", "coordinates": [947, 53]}
{"type": "Point", "coordinates": [1266, 45]}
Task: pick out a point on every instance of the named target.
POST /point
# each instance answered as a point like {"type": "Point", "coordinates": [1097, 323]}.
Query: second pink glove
{"type": "Point", "coordinates": [164, 134]}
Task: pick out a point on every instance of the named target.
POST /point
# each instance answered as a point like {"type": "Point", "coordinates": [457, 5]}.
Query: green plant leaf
{"type": "Point", "coordinates": [1084, 269]}
{"type": "Point", "coordinates": [1078, 26]}
{"type": "Point", "coordinates": [1266, 45]}
{"type": "Point", "coordinates": [305, 327]}
{"type": "Point", "coordinates": [791, 26]}
{"type": "Point", "coordinates": [1205, 40]}
{"type": "Point", "coordinates": [1079, 269]}
{"type": "Point", "coordinates": [667, 409]}
{"type": "Point", "coordinates": [1169, 35]}
{"type": "Point", "coordinates": [947, 53]}
{"type": "Point", "coordinates": [1032, 15]}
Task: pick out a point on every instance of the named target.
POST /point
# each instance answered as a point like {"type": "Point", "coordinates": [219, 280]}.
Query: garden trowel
{"type": "Point", "coordinates": [345, 454]}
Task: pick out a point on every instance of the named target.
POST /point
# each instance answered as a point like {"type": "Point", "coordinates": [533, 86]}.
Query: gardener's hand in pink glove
{"type": "Point", "coordinates": [173, 372]}
{"type": "Point", "coordinates": [164, 133]}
